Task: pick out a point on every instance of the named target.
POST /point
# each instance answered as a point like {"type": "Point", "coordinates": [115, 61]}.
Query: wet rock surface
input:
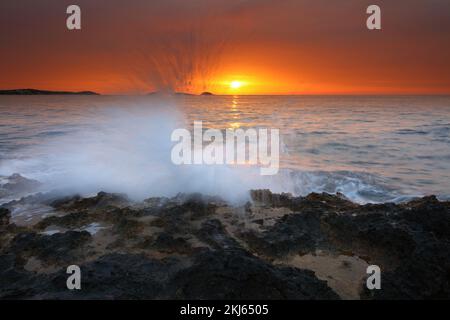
{"type": "Point", "coordinates": [5, 215]}
{"type": "Point", "coordinates": [16, 185]}
{"type": "Point", "coordinates": [276, 246]}
{"type": "Point", "coordinates": [237, 274]}
{"type": "Point", "coordinates": [52, 249]}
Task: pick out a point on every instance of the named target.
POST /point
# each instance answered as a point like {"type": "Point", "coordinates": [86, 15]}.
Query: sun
{"type": "Point", "coordinates": [235, 84]}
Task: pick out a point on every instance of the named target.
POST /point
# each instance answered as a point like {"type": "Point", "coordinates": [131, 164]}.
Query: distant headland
{"type": "Point", "coordinates": [44, 92]}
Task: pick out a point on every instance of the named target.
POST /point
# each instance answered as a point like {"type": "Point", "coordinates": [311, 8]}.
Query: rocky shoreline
{"type": "Point", "coordinates": [192, 246]}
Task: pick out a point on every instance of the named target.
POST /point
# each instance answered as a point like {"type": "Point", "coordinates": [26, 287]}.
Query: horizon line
{"type": "Point", "coordinates": [177, 93]}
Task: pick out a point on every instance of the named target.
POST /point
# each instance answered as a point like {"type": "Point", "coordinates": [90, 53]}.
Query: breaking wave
{"type": "Point", "coordinates": [128, 151]}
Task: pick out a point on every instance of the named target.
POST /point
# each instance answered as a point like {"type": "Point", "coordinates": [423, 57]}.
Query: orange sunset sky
{"type": "Point", "coordinates": [227, 46]}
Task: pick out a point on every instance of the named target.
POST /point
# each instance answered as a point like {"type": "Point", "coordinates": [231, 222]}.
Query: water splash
{"type": "Point", "coordinates": [186, 61]}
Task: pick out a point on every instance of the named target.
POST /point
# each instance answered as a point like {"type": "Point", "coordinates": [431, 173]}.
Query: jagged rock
{"type": "Point", "coordinates": [128, 228]}
{"type": "Point", "coordinates": [374, 236]}
{"type": "Point", "coordinates": [55, 249]}
{"type": "Point", "coordinates": [71, 220]}
{"type": "Point", "coordinates": [236, 274]}
{"type": "Point", "coordinates": [298, 233]}
{"type": "Point", "coordinates": [5, 215]}
{"type": "Point", "coordinates": [175, 215]}
{"type": "Point", "coordinates": [100, 201]}
{"type": "Point", "coordinates": [425, 274]}
{"type": "Point", "coordinates": [326, 201]}
{"type": "Point", "coordinates": [18, 283]}
{"type": "Point", "coordinates": [322, 201]}
{"type": "Point", "coordinates": [199, 205]}
{"type": "Point", "coordinates": [114, 276]}
{"type": "Point", "coordinates": [168, 244]}
{"type": "Point", "coordinates": [266, 197]}
{"type": "Point", "coordinates": [122, 276]}
{"type": "Point", "coordinates": [214, 250]}
{"type": "Point", "coordinates": [431, 214]}
{"type": "Point", "coordinates": [213, 233]}
{"type": "Point", "coordinates": [38, 198]}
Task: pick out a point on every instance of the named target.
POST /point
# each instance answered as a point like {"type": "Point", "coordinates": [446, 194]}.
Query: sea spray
{"type": "Point", "coordinates": [122, 144]}
{"type": "Point", "coordinates": [129, 151]}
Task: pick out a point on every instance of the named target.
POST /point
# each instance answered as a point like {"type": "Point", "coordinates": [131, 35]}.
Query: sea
{"type": "Point", "coordinates": [371, 149]}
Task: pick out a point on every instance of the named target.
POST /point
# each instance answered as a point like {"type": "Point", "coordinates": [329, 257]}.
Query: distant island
{"type": "Point", "coordinates": [206, 93]}
{"type": "Point", "coordinates": [43, 92]}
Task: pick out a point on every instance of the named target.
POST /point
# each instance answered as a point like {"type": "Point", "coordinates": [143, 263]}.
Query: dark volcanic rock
{"type": "Point", "coordinates": [409, 242]}
{"type": "Point", "coordinates": [199, 206]}
{"type": "Point", "coordinates": [54, 249]}
{"type": "Point", "coordinates": [298, 233]}
{"type": "Point", "coordinates": [213, 233]}
{"type": "Point", "coordinates": [114, 276]}
{"type": "Point", "coordinates": [101, 201]}
{"type": "Point", "coordinates": [431, 215]}
{"type": "Point", "coordinates": [128, 228]}
{"type": "Point", "coordinates": [5, 215]}
{"type": "Point", "coordinates": [169, 244]}
{"type": "Point", "coordinates": [71, 220]}
{"type": "Point", "coordinates": [425, 274]}
{"type": "Point", "coordinates": [198, 247]}
{"type": "Point", "coordinates": [18, 283]}
{"type": "Point", "coordinates": [378, 238]}
{"type": "Point", "coordinates": [236, 274]}
{"type": "Point", "coordinates": [274, 200]}
{"type": "Point", "coordinates": [214, 275]}
{"type": "Point", "coordinates": [122, 276]}
{"type": "Point", "coordinates": [313, 201]}
{"type": "Point", "coordinates": [175, 216]}
{"type": "Point", "coordinates": [39, 199]}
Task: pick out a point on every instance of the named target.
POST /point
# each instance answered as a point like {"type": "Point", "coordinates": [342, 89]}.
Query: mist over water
{"type": "Point", "coordinates": [125, 149]}
{"type": "Point", "coordinates": [372, 149]}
